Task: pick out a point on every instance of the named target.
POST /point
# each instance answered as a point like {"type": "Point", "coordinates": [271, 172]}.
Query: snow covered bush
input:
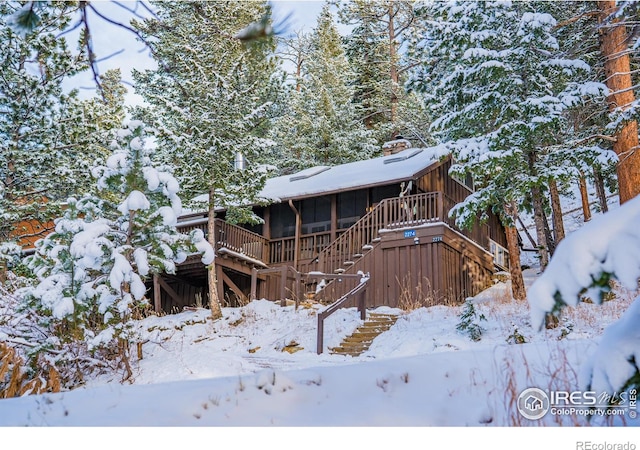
{"type": "Point", "coordinates": [469, 321]}
{"type": "Point", "coordinates": [92, 269]}
{"type": "Point", "coordinates": [605, 249]}
{"type": "Point", "coordinates": [10, 253]}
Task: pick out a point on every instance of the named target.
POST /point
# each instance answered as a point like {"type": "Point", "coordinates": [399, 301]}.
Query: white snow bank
{"type": "Point", "coordinates": [618, 354]}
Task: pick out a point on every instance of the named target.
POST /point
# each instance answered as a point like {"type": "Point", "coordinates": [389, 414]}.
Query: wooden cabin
{"type": "Point", "coordinates": [386, 217]}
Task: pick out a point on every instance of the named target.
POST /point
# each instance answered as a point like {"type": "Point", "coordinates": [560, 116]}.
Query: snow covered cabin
{"type": "Point", "coordinates": [386, 216]}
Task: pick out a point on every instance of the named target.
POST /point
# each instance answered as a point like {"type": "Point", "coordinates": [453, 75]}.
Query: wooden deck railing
{"type": "Point", "coordinates": [282, 250]}
{"type": "Point", "coordinates": [390, 213]}
{"type": "Point", "coordinates": [479, 233]}
{"type": "Point", "coordinates": [232, 237]}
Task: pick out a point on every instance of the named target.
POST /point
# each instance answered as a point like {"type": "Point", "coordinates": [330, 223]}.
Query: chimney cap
{"type": "Point", "coordinates": [395, 146]}
{"type": "Point", "coordinates": [400, 142]}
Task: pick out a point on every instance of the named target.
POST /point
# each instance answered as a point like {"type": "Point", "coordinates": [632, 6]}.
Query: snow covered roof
{"type": "Point", "coordinates": [320, 180]}
{"type": "Point", "coordinates": [328, 179]}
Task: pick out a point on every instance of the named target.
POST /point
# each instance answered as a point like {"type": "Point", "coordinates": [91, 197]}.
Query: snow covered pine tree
{"type": "Point", "coordinates": [91, 270]}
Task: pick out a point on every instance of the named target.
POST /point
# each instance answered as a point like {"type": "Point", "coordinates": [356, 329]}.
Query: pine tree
{"type": "Point", "coordinates": [321, 125]}
{"type": "Point", "coordinates": [35, 112]}
{"type": "Point", "coordinates": [581, 153]}
{"type": "Point", "coordinates": [49, 139]}
{"type": "Point", "coordinates": [91, 123]}
{"type": "Point", "coordinates": [376, 47]}
{"type": "Point", "coordinates": [211, 98]}
{"type": "Point", "coordinates": [92, 269]}
{"type": "Point", "coordinates": [501, 102]}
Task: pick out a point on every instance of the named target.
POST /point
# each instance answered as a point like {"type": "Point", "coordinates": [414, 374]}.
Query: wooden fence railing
{"type": "Point", "coordinates": [390, 213]}
{"type": "Point", "coordinates": [479, 233]}
{"type": "Point", "coordinates": [232, 237]}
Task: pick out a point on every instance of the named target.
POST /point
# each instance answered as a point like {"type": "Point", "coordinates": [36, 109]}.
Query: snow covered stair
{"type": "Point", "coordinates": [359, 342]}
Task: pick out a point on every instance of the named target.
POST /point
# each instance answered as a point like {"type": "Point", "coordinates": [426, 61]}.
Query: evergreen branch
{"type": "Point", "coordinates": [593, 137]}
{"type": "Point", "coordinates": [145, 42]}
{"type": "Point", "coordinates": [89, 46]}
{"type": "Point", "coordinates": [134, 10]}
{"type": "Point", "coordinates": [574, 19]}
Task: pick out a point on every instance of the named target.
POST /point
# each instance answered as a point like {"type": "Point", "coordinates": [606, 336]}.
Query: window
{"type": "Point", "coordinates": [351, 206]}
{"type": "Point", "coordinates": [382, 192]}
{"type": "Point", "coordinates": [283, 221]}
{"type": "Point", "coordinates": [316, 215]}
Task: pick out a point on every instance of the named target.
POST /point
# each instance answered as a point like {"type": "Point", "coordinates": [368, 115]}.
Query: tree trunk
{"type": "Point", "coordinates": [614, 46]}
{"type": "Point", "coordinates": [584, 195]}
{"type": "Point", "coordinates": [518, 290]}
{"type": "Point", "coordinates": [556, 212]}
{"type": "Point", "coordinates": [214, 300]}
{"type": "Point", "coordinates": [540, 221]}
{"type": "Point", "coordinates": [526, 232]}
{"type": "Point", "coordinates": [517, 280]}
{"type": "Point", "coordinates": [393, 69]}
{"type": "Point", "coordinates": [299, 62]}
{"type": "Point", "coordinates": [602, 195]}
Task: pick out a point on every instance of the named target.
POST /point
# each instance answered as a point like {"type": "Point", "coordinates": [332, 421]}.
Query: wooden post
{"type": "Point", "coordinates": [220, 284]}
{"type": "Point", "coordinates": [320, 337]}
{"type": "Point", "coordinates": [254, 284]}
{"type": "Point", "coordinates": [283, 286]}
{"type": "Point", "coordinates": [157, 295]}
{"type": "Point", "coordinates": [298, 288]}
{"type": "Point", "coordinates": [362, 304]}
{"type": "Point", "coordinates": [168, 289]}
{"type": "Point", "coordinates": [298, 233]}
{"type": "Point", "coordinates": [234, 288]}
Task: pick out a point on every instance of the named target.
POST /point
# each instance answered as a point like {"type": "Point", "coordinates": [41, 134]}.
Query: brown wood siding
{"type": "Point", "coordinates": [455, 192]}
{"type": "Point", "coordinates": [496, 230]}
{"type": "Point", "coordinates": [444, 268]}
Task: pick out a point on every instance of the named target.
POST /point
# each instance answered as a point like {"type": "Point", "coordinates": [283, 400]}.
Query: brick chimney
{"type": "Point", "coordinates": [396, 146]}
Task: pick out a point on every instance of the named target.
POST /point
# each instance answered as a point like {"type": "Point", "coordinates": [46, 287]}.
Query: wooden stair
{"type": "Point", "coordinates": [360, 340]}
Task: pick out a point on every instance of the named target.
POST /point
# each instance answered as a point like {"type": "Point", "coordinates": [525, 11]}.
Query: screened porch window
{"type": "Point", "coordinates": [381, 192]}
{"type": "Point", "coordinates": [351, 207]}
{"type": "Point", "coordinates": [316, 215]}
{"type": "Point", "coordinates": [283, 221]}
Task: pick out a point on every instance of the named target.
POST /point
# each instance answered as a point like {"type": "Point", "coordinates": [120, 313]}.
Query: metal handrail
{"type": "Point", "coordinates": [359, 289]}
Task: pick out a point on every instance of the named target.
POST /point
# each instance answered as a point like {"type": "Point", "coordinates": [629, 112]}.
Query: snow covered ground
{"type": "Point", "coordinates": [421, 373]}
